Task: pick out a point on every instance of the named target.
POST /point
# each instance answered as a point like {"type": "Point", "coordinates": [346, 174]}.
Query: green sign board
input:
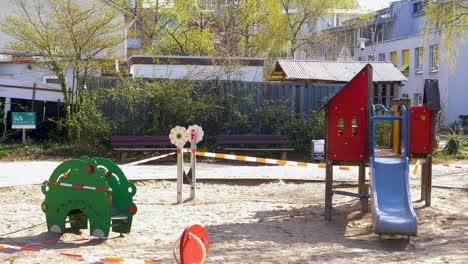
{"type": "Point", "coordinates": [23, 120]}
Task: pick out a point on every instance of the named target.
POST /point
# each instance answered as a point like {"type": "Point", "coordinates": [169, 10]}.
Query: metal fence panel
{"type": "Point", "coordinates": [301, 97]}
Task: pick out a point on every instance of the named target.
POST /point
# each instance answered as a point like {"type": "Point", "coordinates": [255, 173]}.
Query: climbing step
{"type": "Point", "coordinates": [119, 217]}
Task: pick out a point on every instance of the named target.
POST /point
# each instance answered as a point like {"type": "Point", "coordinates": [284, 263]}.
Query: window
{"type": "Point", "coordinates": [393, 58]}
{"type": "Point", "coordinates": [370, 58]}
{"type": "Point", "coordinates": [405, 57]}
{"type": "Point", "coordinates": [354, 126]}
{"type": "Point", "coordinates": [392, 92]}
{"type": "Point", "coordinates": [360, 58]}
{"type": "Point", "coordinates": [418, 99]}
{"type": "Point", "coordinates": [376, 94]}
{"type": "Point", "coordinates": [405, 96]}
{"type": "Point", "coordinates": [382, 57]}
{"type": "Point", "coordinates": [418, 59]}
{"type": "Point", "coordinates": [384, 95]}
{"type": "Point", "coordinates": [51, 79]}
{"type": "Point", "coordinates": [434, 58]}
{"type": "Point", "coordinates": [340, 126]}
{"type": "Point", "coordinates": [418, 8]}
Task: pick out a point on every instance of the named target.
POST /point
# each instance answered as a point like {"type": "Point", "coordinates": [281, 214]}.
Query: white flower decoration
{"type": "Point", "coordinates": [178, 136]}
{"type": "Point", "coordinates": [198, 133]}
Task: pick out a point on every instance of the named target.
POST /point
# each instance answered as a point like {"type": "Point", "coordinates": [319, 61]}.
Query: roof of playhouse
{"type": "Point", "coordinates": [345, 87]}
{"type": "Point", "coordinates": [332, 71]}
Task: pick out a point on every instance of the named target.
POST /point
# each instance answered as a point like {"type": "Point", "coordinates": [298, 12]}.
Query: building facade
{"type": "Point", "coordinates": [396, 34]}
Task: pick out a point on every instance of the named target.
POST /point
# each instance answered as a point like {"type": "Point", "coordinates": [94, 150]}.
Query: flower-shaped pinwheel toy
{"type": "Point", "coordinates": [198, 132]}
{"type": "Point", "coordinates": [178, 136]}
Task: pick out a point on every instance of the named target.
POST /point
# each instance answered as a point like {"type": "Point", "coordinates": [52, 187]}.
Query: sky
{"type": "Point", "coordinates": [375, 4]}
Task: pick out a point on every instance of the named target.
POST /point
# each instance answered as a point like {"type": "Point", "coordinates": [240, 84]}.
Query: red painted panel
{"type": "Point", "coordinates": [348, 111]}
{"type": "Point", "coordinates": [420, 130]}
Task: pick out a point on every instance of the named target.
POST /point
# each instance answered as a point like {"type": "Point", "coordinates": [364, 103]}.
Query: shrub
{"type": "Point", "coordinates": [455, 142]}
{"type": "Point", "coordinates": [89, 127]}
{"type": "Point", "coordinates": [3, 153]}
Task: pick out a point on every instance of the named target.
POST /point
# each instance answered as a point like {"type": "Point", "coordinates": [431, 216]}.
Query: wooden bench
{"type": "Point", "coordinates": [276, 142]}
{"type": "Point", "coordinates": [125, 144]}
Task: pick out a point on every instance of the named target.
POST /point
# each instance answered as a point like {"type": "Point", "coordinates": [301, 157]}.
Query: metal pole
{"type": "Point", "coordinates": [24, 135]}
{"type": "Point", "coordinates": [328, 190]}
{"type": "Point", "coordinates": [193, 160]}
{"type": "Point", "coordinates": [180, 175]}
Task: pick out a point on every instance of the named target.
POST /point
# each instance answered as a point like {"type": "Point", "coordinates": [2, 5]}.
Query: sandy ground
{"type": "Point", "coordinates": [251, 222]}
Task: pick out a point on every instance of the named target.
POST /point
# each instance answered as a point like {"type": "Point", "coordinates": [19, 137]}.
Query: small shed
{"type": "Point", "coordinates": [386, 78]}
{"type": "Point", "coordinates": [197, 68]}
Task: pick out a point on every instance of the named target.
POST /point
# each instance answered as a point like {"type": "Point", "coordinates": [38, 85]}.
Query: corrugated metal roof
{"type": "Point", "coordinates": [337, 71]}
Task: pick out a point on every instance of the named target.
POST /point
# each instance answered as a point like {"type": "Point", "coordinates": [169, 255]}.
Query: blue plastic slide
{"type": "Point", "coordinates": [391, 199]}
{"type": "Point", "coordinates": [392, 210]}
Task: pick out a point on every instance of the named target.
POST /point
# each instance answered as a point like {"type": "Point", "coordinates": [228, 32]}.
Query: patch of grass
{"type": "Point", "coordinates": [51, 151]}
{"type": "Point", "coordinates": [3, 153]}
{"type": "Point", "coordinates": [444, 157]}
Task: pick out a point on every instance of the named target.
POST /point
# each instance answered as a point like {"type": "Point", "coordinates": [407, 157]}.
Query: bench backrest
{"type": "Point", "coordinates": [141, 141]}
{"type": "Point", "coordinates": [251, 139]}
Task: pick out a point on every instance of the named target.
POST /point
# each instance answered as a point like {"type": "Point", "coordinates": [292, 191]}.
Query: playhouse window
{"type": "Point", "coordinates": [354, 126]}
{"type": "Point", "coordinates": [340, 126]}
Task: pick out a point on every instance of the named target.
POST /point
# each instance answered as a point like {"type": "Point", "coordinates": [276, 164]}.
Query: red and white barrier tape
{"type": "Point", "coordinates": [264, 160]}
{"type": "Point", "coordinates": [56, 242]}
{"type": "Point", "coordinates": [450, 165]}
{"type": "Point", "coordinates": [78, 186]}
{"type": "Point", "coordinates": [150, 159]}
{"type": "Point", "coordinates": [85, 257]}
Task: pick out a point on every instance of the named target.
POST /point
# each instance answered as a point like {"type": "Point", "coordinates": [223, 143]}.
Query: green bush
{"type": "Point", "coordinates": [147, 108]}
{"type": "Point", "coordinates": [3, 153]}
{"type": "Point", "coordinates": [382, 133]}
{"type": "Point", "coordinates": [89, 127]}
{"type": "Point", "coordinates": [455, 142]}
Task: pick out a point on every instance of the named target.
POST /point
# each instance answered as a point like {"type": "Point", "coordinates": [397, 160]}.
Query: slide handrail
{"type": "Point", "coordinates": [402, 118]}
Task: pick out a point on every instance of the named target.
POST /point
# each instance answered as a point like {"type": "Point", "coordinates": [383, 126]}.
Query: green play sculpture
{"type": "Point", "coordinates": [89, 188]}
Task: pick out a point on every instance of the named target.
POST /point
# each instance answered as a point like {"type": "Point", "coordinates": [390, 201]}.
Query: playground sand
{"type": "Point", "coordinates": [248, 222]}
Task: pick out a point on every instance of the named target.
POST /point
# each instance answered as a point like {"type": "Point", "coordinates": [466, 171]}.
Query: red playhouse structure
{"type": "Point", "coordinates": [350, 120]}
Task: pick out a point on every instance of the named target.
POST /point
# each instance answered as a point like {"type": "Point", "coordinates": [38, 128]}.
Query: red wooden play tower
{"type": "Point", "coordinates": [348, 140]}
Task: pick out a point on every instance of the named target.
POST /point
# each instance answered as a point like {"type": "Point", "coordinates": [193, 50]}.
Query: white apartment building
{"type": "Point", "coordinates": [395, 34]}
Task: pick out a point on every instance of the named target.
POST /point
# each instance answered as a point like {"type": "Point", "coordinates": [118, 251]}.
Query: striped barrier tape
{"type": "Point", "coordinates": [56, 242]}
{"type": "Point", "coordinates": [239, 158]}
{"type": "Point", "coordinates": [84, 257]}
{"type": "Point", "coordinates": [255, 159]}
{"type": "Point", "coordinates": [449, 165]}
{"type": "Point", "coordinates": [150, 159]}
{"type": "Point", "coordinates": [264, 160]}
{"type": "Point", "coordinates": [290, 163]}
{"type": "Point", "coordinates": [78, 186]}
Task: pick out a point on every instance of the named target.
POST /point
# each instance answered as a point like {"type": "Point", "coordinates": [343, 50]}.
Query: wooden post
{"type": "Point", "coordinates": [328, 190]}
{"type": "Point", "coordinates": [423, 179]}
{"type": "Point", "coordinates": [363, 190]}
{"type": "Point", "coordinates": [428, 179]}
{"type": "Point", "coordinates": [180, 174]}
{"type": "Point", "coordinates": [24, 135]}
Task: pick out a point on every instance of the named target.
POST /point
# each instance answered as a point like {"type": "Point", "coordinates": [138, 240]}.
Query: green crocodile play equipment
{"type": "Point", "coordinates": [89, 188]}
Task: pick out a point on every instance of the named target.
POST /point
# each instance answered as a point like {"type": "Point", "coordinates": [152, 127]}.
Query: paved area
{"type": "Point", "coordinates": [35, 172]}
